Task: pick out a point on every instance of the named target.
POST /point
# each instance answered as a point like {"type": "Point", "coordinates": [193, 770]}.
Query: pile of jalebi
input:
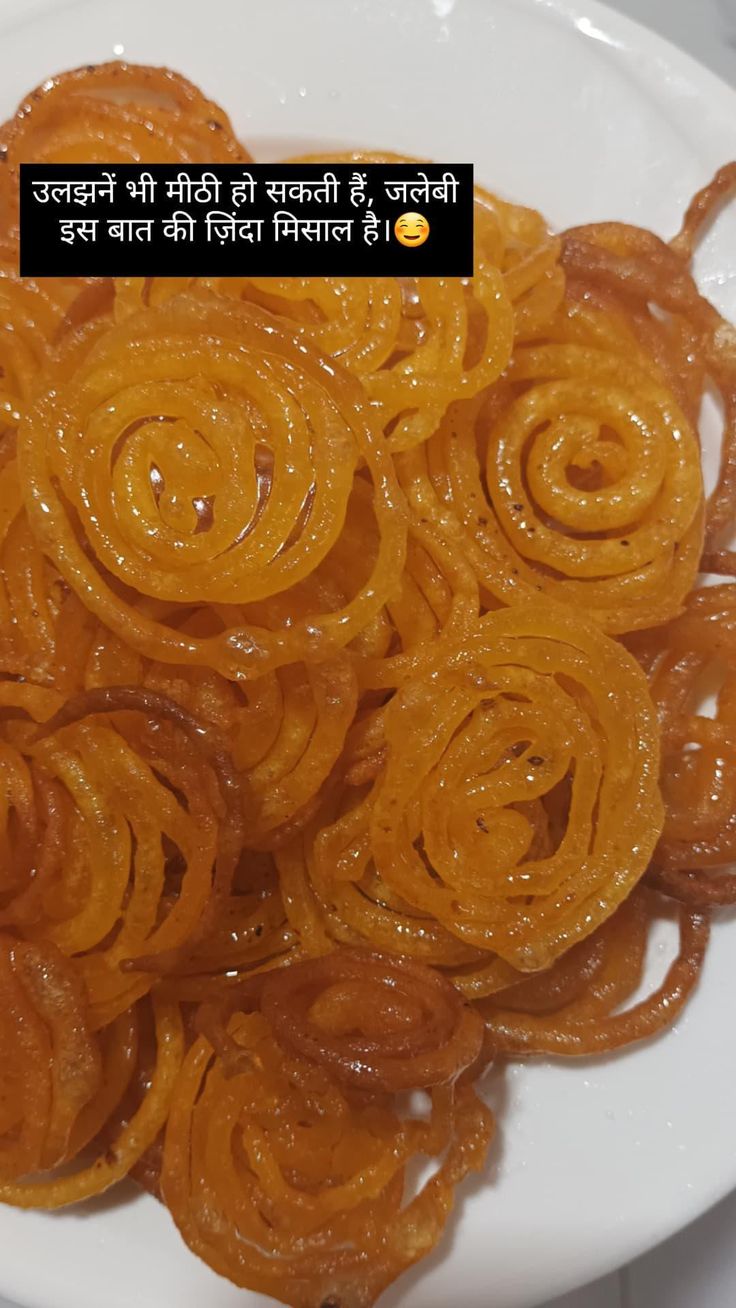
{"type": "Point", "coordinates": [352, 725]}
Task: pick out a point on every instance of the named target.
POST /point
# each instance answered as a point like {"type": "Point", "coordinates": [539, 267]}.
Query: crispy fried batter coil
{"type": "Point", "coordinates": [211, 434]}
{"type": "Point", "coordinates": [291, 1184]}
{"type": "Point", "coordinates": [519, 803]}
{"type": "Point", "coordinates": [578, 1007]}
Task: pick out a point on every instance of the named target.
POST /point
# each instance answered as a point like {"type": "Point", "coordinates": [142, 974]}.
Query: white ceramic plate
{"type": "Point", "coordinates": [584, 115]}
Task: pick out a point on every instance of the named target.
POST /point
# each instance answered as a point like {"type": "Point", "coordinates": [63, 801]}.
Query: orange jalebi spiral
{"type": "Point", "coordinates": [125, 834]}
{"type": "Point", "coordinates": [579, 474]}
{"type": "Point", "coordinates": [61, 1086]}
{"type": "Point", "coordinates": [114, 113]}
{"type": "Point", "coordinates": [51, 1066]}
{"type": "Point", "coordinates": [120, 113]}
{"type": "Point", "coordinates": [292, 1184]}
{"type": "Point", "coordinates": [209, 437]}
{"type": "Point", "coordinates": [580, 479]}
{"type": "Point", "coordinates": [106, 113]}
{"type": "Point", "coordinates": [650, 289]}
{"type": "Point", "coordinates": [412, 340]}
{"type": "Point", "coordinates": [415, 344]}
{"type": "Point", "coordinates": [518, 804]}
{"type": "Point", "coordinates": [132, 1137]}
{"type": "Point", "coordinates": [408, 344]}
{"type": "Point", "coordinates": [285, 730]}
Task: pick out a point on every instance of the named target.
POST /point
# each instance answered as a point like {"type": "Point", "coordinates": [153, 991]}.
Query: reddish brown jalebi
{"type": "Point", "coordinates": [413, 1029]}
{"type": "Point", "coordinates": [695, 658]}
{"type": "Point", "coordinates": [573, 1007]}
{"type": "Point", "coordinates": [352, 668]}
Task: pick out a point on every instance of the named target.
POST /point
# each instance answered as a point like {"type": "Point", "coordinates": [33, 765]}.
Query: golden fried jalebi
{"type": "Point", "coordinates": [51, 1064]}
{"type": "Point", "coordinates": [209, 439]}
{"type": "Point", "coordinates": [519, 802]}
{"type": "Point", "coordinates": [136, 835]}
{"type": "Point", "coordinates": [352, 732]}
{"type": "Point", "coordinates": [408, 344]}
{"type": "Point", "coordinates": [289, 1183]}
{"type": "Point", "coordinates": [582, 481]}
{"type": "Point", "coordinates": [120, 113]}
{"type": "Point", "coordinates": [132, 1138]}
{"type": "Point", "coordinates": [415, 344]}
{"type": "Point", "coordinates": [115, 113]}
{"type": "Point", "coordinates": [573, 1007]}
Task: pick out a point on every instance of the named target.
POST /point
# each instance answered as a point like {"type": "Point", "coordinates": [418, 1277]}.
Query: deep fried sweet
{"type": "Point", "coordinates": [292, 1184]}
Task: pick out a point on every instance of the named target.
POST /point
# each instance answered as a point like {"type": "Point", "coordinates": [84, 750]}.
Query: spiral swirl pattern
{"type": "Point", "coordinates": [292, 1185]}
{"type": "Point", "coordinates": [412, 1031]}
{"type": "Point", "coordinates": [215, 470]}
{"type": "Point", "coordinates": [519, 802]}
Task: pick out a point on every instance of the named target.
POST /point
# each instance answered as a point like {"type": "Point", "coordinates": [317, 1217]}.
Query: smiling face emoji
{"type": "Point", "coordinates": [411, 229]}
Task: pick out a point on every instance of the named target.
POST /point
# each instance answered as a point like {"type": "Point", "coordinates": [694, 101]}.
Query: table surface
{"type": "Point", "coordinates": [697, 1268]}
